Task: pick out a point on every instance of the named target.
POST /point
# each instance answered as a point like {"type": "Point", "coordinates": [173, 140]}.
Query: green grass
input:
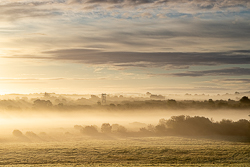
{"type": "Point", "coordinates": [154, 151]}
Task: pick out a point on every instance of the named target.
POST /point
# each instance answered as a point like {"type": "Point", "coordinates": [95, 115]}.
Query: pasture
{"type": "Point", "coordinates": [69, 150]}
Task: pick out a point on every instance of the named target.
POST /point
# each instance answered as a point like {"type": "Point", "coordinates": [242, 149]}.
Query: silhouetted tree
{"type": "Point", "coordinates": [78, 127]}
{"type": "Point", "coordinates": [89, 130]}
{"type": "Point", "coordinates": [17, 133]}
{"type": "Point", "coordinates": [42, 103]}
{"type": "Point", "coordinates": [186, 125]}
{"type": "Point", "coordinates": [160, 129]}
{"type": "Point", "coordinates": [119, 129]}
{"type": "Point", "coordinates": [245, 100]}
{"type": "Point", "coordinates": [106, 128]}
{"type": "Point", "coordinates": [157, 97]}
{"type": "Point", "coordinates": [211, 101]}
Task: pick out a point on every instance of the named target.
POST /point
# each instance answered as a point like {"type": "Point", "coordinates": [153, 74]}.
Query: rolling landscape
{"type": "Point", "coordinates": [125, 83]}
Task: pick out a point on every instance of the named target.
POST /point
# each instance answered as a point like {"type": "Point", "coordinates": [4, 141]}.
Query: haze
{"type": "Point", "coordinates": [124, 82]}
{"type": "Point", "coordinates": [47, 111]}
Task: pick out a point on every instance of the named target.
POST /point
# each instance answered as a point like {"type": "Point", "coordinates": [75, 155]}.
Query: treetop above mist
{"type": "Point", "coordinates": [117, 102]}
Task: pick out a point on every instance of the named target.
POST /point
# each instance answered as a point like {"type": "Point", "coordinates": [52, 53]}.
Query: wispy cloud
{"type": "Point", "coordinates": [140, 59]}
{"type": "Point", "coordinates": [237, 81]}
{"type": "Point", "coordinates": [186, 89]}
{"type": "Point", "coordinates": [15, 10]}
{"type": "Point", "coordinates": [236, 71]}
{"type": "Point", "coordinates": [48, 79]}
{"type": "Point", "coordinates": [205, 4]}
{"type": "Point", "coordinates": [25, 9]}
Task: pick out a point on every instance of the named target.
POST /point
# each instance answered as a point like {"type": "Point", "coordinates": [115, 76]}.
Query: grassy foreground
{"type": "Point", "coordinates": [144, 151]}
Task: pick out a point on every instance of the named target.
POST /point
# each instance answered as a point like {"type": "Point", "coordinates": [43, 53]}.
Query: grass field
{"type": "Point", "coordinates": [143, 151]}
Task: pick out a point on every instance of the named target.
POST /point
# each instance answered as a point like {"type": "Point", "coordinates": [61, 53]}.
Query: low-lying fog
{"type": "Point", "coordinates": [142, 115]}
{"type": "Point", "coordinates": [40, 121]}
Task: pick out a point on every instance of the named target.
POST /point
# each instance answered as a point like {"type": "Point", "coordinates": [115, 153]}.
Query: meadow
{"type": "Point", "coordinates": [68, 150]}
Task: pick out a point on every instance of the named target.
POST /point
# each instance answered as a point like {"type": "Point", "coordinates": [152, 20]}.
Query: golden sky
{"type": "Point", "coordinates": [124, 46]}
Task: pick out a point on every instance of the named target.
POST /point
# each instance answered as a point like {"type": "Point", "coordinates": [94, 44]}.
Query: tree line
{"type": "Point", "coordinates": [177, 125]}
{"type": "Point", "coordinates": [53, 103]}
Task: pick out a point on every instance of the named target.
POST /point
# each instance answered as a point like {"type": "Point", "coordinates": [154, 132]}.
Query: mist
{"type": "Point", "coordinates": [55, 113]}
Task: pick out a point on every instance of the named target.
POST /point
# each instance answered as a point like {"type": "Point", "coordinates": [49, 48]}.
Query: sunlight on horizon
{"type": "Point", "coordinates": [124, 83]}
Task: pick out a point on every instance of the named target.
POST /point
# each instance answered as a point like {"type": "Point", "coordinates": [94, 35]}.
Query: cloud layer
{"type": "Point", "coordinates": [182, 42]}
{"type": "Point", "coordinates": [203, 4]}
{"type": "Point", "coordinates": [153, 59]}
{"type": "Point", "coordinates": [236, 71]}
{"type": "Point", "coordinates": [16, 10]}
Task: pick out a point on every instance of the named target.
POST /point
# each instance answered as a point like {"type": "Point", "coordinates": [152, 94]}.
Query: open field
{"type": "Point", "coordinates": [143, 151]}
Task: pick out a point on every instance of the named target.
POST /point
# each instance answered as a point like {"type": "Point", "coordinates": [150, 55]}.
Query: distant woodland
{"type": "Point", "coordinates": [48, 101]}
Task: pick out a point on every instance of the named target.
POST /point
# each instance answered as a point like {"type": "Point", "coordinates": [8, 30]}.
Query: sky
{"type": "Point", "coordinates": [124, 46]}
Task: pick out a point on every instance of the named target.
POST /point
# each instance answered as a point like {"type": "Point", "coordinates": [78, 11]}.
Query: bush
{"type": "Point", "coordinates": [106, 128]}
{"type": "Point", "coordinates": [17, 133]}
{"type": "Point", "coordinates": [89, 130]}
